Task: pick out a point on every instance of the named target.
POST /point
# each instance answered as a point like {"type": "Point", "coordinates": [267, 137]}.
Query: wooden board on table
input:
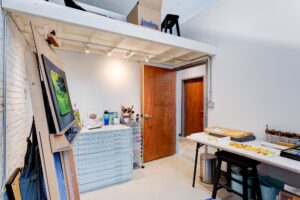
{"type": "Point", "coordinates": [228, 132]}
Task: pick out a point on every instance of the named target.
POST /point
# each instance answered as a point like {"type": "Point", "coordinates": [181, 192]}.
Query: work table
{"type": "Point", "coordinates": [276, 160]}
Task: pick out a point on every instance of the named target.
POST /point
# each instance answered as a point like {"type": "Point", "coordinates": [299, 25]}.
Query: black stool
{"type": "Point", "coordinates": [169, 22]}
{"type": "Point", "coordinates": [244, 164]}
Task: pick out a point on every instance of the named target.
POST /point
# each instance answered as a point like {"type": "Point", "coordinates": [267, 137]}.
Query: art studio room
{"type": "Point", "coordinates": [149, 100]}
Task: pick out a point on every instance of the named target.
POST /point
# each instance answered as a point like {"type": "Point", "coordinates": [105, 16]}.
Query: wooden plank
{"type": "Point", "coordinates": [42, 47]}
{"type": "Point", "coordinates": [71, 175]}
{"type": "Point", "coordinates": [49, 169]}
{"type": "Point", "coordinates": [59, 143]}
{"type": "Point", "coordinates": [42, 129]}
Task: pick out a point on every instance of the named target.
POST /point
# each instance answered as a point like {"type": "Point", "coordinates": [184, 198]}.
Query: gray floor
{"type": "Point", "coordinates": [169, 178]}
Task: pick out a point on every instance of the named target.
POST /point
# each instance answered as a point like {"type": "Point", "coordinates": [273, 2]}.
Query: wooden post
{"type": "Point", "coordinates": [49, 143]}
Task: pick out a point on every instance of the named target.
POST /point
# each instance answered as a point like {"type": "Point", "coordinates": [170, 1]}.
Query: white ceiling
{"type": "Point", "coordinates": [185, 9]}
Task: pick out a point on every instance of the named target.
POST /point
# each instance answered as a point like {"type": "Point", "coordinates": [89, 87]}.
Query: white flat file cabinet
{"type": "Point", "coordinates": [103, 157]}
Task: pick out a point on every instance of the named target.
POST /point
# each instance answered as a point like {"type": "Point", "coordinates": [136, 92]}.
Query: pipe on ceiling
{"type": "Point", "coordinates": [4, 74]}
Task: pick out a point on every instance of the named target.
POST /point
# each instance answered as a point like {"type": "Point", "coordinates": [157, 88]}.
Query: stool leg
{"type": "Point", "coordinates": [177, 28]}
{"type": "Point", "coordinates": [196, 162]}
{"type": "Point", "coordinates": [216, 183]}
{"type": "Point", "coordinates": [228, 174]}
{"type": "Point", "coordinates": [245, 184]}
{"type": "Point", "coordinates": [171, 32]}
{"type": "Point", "coordinates": [166, 26]}
{"type": "Point", "coordinates": [256, 183]}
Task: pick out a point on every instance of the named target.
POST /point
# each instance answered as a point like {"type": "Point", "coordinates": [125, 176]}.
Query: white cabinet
{"type": "Point", "coordinates": [103, 157]}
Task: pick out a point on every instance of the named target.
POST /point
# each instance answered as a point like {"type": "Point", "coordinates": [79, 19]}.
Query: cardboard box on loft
{"type": "Point", "coordinates": [146, 13]}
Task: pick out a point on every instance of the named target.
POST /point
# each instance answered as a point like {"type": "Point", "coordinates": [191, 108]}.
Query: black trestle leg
{"type": "Point", "coordinates": [216, 183]}
{"type": "Point", "coordinates": [196, 162]}
{"type": "Point", "coordinates": [257, 184]}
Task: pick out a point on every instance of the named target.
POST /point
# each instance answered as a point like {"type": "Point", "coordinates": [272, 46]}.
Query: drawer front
{"type": "Point", "coordinates": [117, 145]}
{"type": "Point", "coordinates": [104, 183]}
{"type": "Point", "coordinates": [84, 167]}
{"type": "Point", "coordinates": [99, 176]}
{"type": "Point", "coordinates": [117, 141]}
{"type": "Point", "coordinates": [91, 137]}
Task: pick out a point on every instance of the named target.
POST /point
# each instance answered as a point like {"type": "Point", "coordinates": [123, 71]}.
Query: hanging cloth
{"type": "Point", "coordinates": [31, 179]}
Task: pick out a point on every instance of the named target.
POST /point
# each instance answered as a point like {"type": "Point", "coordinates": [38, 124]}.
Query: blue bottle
{"type": "Point", "coordinates": [106, 118]}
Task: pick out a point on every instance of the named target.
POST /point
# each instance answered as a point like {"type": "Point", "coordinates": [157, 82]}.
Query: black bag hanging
{"type": "Point", "coordinates": [31, 180]}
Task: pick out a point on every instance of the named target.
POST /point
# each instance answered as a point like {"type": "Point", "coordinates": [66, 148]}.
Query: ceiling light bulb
{"type": "Point", "coordinates": [146, 58]}
{"type": "Point", "coordinates": [87, 49]}
{"type": "Point", "coordinates": [127, 54]}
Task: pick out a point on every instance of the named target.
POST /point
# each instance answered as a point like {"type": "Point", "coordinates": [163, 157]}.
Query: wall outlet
{"type": "Point", "coordinates": [211, 104]}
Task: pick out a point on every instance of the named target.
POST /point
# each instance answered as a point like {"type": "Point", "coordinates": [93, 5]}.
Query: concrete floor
{"type": "Point", "coordinates": [168, 178]}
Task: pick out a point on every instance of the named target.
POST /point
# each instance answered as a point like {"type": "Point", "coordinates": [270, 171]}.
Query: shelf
{"type": "Point", "coordinates": [78, 29]}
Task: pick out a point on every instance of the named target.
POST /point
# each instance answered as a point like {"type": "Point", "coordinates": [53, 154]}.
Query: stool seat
{"type": "Point", "coordinates": [237, 159]}
{"type": "Point", "coordinates": [248, 169]}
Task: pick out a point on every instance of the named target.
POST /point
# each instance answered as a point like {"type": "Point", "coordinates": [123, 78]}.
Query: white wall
{"type": "Point", "coordinates": [255, 77]}
{"type": "Point", "coordinates": [1, 95]}
{"type": "Point", "coordinates": [19, 108]}
{"type": "Point", "coordinates": [18, 105]}
{"type": "Point", "coordinates": [97, 83]}
{"type": "Point", "coordinates": [256, 70]}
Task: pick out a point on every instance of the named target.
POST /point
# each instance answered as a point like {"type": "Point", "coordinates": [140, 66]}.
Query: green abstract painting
{"type": "Point", "coordinates": [60, 93]}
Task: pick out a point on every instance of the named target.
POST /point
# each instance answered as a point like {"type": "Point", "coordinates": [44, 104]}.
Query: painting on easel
{"type": "Point", "coordinates": [59, 93]}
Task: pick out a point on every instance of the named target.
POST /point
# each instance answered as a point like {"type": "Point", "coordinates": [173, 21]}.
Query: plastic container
{"type": "Point", "coordinates": [111, 118]}
{"type": "Point", "coordinates": [106, 118]}
{"type": "Point", "coordinates": [269, 186]}
{"type": "Point", "coordinates": [236, 174]}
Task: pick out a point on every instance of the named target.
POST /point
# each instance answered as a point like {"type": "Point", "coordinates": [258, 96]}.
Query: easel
{"type": "Point", "coordinates": [50, 144]}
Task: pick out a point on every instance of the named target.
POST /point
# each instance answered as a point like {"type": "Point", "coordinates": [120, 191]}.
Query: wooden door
{"type": "Point", "coordinates": [159, 108]}
{"type": "Point", "coordinates": [193, 106]}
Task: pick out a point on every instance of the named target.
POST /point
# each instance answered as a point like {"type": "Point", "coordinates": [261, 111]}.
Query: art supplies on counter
{"type": "Point", "coordinates": [292, 153]}
{"type": "Point", "coordinates": [76, 114]}
{"type": "Point", "coordinates": [106, 118]}
{"type": "Point", "coordinates": [252, 148]}
{"type": "Point", "coordinates": [127, 114]}
{"type": "Point", "coordinates": [281, 139]}
{"type": "Point", "coordinates": [93, 121]}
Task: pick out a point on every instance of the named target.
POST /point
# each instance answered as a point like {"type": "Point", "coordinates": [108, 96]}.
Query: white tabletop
{"type": "Point", "coordinates": [117, 127]}
{"type": "Point", "coordinates": [277, 161]}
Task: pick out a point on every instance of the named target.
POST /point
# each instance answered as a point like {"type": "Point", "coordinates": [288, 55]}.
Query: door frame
{"type": "Point", "coordinates": [205, 102]}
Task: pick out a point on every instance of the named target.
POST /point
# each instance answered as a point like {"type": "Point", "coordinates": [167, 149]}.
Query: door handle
{"type": "Point", "coordinates": [146, 116]}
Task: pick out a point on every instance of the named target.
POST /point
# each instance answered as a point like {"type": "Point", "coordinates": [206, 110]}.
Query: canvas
{"type": "Point", "coordinates": [61, 94]}
{"type": "Point", "coordinates": [58, 86]}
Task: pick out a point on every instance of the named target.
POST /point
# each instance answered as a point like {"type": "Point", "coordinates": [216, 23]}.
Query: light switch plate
{"type": "Point", "coordinates": [211, 104]}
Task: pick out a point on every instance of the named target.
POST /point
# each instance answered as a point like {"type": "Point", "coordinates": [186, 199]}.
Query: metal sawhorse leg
{"type": "Point", "coordinates": [196, 162]}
